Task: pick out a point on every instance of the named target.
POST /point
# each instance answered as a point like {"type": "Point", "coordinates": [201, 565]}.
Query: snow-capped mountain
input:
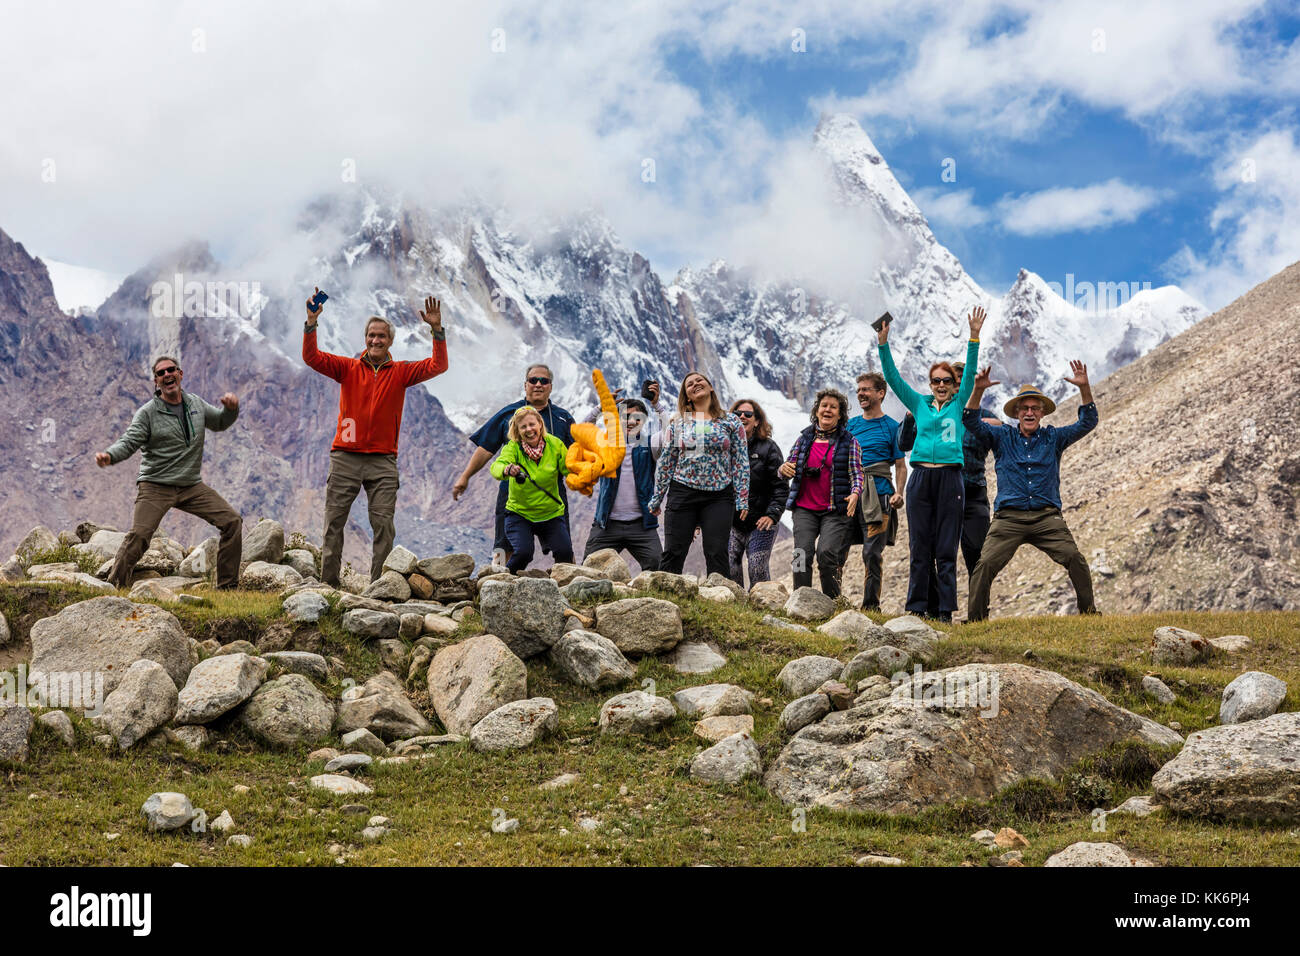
{"type": "Point", "coordinates": [782, 335]}
{"type": "Point", "coordinates": [568, 293]}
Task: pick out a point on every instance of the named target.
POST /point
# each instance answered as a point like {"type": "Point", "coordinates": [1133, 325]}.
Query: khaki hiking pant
{"type": "Point", "coordinates": [152, 501]}
{"type": "Point", "coordinates": [1045, 529]}
{"type": "Point", "coordinates": [350, 472]}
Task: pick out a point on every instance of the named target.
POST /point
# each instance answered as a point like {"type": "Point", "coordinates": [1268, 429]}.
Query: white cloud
{"type": "Point", "coordinates": [952, 207]}
{"type": "Point", "coordinates": [1256, 222]}
{"type": "Point", "coordinates": [1073, 208]}
{"type": "Point", "coordinates": [1015, 68]}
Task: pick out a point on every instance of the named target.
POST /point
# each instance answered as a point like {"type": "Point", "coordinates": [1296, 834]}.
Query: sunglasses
{"type": "Point", "coordinates": [165, 371]}
{"type": "Point", "coordinates": [745, 414]}
{"type": "Point", "coordinates": [946, 380]}
{"type": "Point", "coordinates": [539, 380]}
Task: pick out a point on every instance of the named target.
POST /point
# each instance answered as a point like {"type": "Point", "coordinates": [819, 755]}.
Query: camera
{"type": "Point", "coordinates": [645, 389]}
{"type": "Point", "coordinates": [812, 472]}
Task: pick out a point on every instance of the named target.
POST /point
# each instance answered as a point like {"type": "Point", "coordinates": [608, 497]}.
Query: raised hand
{"type": "Point", "coordinates": [432, 314]}
{"type": "Point", "coordinates": [230, 402]}
{"type": "Point", "coordinates": [976, 320]}
{"type": "Point", "coordinates": [984, 380]}
{"type": "Point", "coordinates": [1079, 374]}
{"type": "Point", "coordinates": [313, 316]}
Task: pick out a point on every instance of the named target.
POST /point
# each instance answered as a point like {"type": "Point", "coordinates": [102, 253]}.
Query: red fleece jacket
{"type": "Point", "coordinates": [371, 400]}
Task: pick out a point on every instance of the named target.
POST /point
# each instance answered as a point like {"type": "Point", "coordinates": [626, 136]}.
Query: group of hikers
{"type": "Point", "coordinates": [709, 472]}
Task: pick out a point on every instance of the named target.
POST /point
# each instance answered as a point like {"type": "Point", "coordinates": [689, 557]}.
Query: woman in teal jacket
{"type": "Point", "coordinates": [935, 494]}
{"type": "Point", "coordinates": [534, 461]}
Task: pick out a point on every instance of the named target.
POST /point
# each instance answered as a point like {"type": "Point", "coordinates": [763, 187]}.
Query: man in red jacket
{"type": "Point", "coordinates": [364, 453]}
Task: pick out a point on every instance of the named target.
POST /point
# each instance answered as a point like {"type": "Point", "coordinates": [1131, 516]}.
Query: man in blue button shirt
{"type": "Point", "coordinates": [1027, 458]}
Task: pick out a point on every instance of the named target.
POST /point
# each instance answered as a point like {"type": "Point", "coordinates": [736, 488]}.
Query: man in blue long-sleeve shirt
{"type": "Point", "coordinates": [1027, 458]}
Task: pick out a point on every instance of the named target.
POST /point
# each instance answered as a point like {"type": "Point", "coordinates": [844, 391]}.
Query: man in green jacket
{"type": "Point", "coordinates": [169, 429]}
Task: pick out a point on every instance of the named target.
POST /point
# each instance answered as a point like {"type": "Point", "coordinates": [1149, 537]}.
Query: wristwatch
{"type": "Point", "coordinates": [308, 326]}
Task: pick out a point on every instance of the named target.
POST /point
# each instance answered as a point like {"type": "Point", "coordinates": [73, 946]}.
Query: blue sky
{"type": "Point", "coordinates": [1083, 144]}
{"type": "Point", "coordinates": [1103, 138]}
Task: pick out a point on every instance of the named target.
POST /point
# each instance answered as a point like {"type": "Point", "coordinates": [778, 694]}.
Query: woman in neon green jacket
{"type": "Point", "coordinates": [534, 508]}
{"type": "Point", "coordinates": [935, 494]}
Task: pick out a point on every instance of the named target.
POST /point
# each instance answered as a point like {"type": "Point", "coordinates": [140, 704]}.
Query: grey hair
{"type": "Point", "coordinates": [164, 358]}
{"type": "Point", "coordinates": [549, 373]}
{"type": "Point", "coordinates": [392, 332]}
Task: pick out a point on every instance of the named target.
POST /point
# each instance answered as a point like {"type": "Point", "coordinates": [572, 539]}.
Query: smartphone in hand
{"type": "Point", "coordinates": [881, 322]}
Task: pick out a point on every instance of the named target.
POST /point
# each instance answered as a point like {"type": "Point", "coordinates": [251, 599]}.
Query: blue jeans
{"type": "Point", "coordinates": [554, 535]}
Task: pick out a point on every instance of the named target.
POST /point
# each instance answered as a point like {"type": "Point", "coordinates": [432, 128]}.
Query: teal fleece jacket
{"type": "Point", "coordinates": [173, 452]}
{"type": "Point", "coordinates": [939, 432]}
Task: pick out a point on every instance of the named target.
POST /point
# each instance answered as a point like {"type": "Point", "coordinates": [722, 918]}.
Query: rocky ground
{"type": "Point", "coordinates": [448, 713]}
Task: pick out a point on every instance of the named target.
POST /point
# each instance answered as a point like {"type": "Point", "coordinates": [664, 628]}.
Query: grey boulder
{"type": "Point", "coordinates": [591, 660]}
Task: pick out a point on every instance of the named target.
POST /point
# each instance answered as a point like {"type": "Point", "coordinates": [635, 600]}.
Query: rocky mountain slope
{"type": "Point", "coordinates": [68, 388]}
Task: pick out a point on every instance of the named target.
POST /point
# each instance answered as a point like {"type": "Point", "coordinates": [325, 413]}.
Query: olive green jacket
{"type": "Point", "coordinates": [173, 450]}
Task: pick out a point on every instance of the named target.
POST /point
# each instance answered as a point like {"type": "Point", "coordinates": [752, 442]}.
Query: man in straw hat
{"type": "Point", "coordinates": [1027, 458]}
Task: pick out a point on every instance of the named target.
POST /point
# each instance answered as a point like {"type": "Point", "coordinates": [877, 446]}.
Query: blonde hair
{"type": "Point", "coordinates": [684, 405]}
{"type": "Point", "coordinates": [517, 419]}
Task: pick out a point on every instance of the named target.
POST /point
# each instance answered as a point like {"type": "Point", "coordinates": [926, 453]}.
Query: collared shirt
{"type": "Point", "coordinates": [878, 438]}
{"type": "Point", "coordinates": [1029, 469]}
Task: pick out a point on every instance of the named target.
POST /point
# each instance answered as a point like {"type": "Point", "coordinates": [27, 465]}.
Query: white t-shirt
{"type": "Point", "coordinates": [626, 507]}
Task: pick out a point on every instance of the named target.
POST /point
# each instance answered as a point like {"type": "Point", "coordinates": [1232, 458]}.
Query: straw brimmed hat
{"type": "Point", "coordinates": [1028, 391]}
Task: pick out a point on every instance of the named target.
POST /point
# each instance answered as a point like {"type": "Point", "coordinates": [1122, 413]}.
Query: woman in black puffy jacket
{"type": "Point", "coordinates": [755, 534]}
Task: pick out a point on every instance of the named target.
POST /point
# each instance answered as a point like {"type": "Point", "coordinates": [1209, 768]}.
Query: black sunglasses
{"type": "Point", "coordinates": [165, 371]}
{"type": "Point", "coordinates": [946, 380]}
{"type": "Point", "coordinates": [746, 414]}
{"type": "Point", "coordinates": [538, 380]}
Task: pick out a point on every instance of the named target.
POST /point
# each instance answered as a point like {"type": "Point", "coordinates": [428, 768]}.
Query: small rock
{"type": "Point", "coordinates": [336, 783]}
{"type": "Point", "coordinates": [808, 604]}
{"type": "Point", "coordinates": [694, 657]}
{"type": "Point", "coordinates": [805, 674]}
{"type": "Point", "coordinates": [502, 825]}
{"type": "Point", "coordinates": [985, 838]}
{"type": "Point", "coordinates": [1009, 838]}
{"type": "Point", "coordinates": [241, 840]}
{"type": "Point", "coordinates": [1231, 643]}
{"type": "Point", "coordinates": [167, 811]}
{"type": "Point", "coordinates": [1173, 645]}
{"type": "Point", "coordinates": [1155, 687]}
{"type": "Point", "coordinates": [1094, 854]}
{"type": "Point", "coordinates": [348, 762]}
{"type": "Point", "coordinates": [223, 822]}
{"type": "Point", "coordinates": [61, 724]}
{"type": "Point", "coordinates": [363, 741]}
{"type": "Point", "coordinates": [714, 729]}
{"type": "Point", "coordinates": [1250, 696]}
{"type": "Point", "coordinates": [563, 780]}
{"type": "Point", "coordinates": [876, 859]}
{"type": "Point", "coordinates": [728, 761]}
{"type": "Point", "coordinates": [801, 712]}
{"type": "Point", "coordinates": [635, 712]}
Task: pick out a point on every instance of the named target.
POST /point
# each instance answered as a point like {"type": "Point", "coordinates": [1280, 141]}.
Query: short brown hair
{"type": "Point", "coordinates": [836, 394]}
{"type": "Point", "coordinates": [875, 378]}
{"type": "Point", "coordinates": [763, 428]}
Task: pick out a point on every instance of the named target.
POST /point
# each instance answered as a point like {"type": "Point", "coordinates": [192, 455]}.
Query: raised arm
{"type": "Point", "coordinates": [1069, 434]}
{"type": "Point", "coordinates": [335, 366]}
{"type": "Point", "coordinates": [436, 364]}
{"type": "Point", "coordinates": [976, 321]}
{"type": "Point", "coordinates": [910, 399]}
